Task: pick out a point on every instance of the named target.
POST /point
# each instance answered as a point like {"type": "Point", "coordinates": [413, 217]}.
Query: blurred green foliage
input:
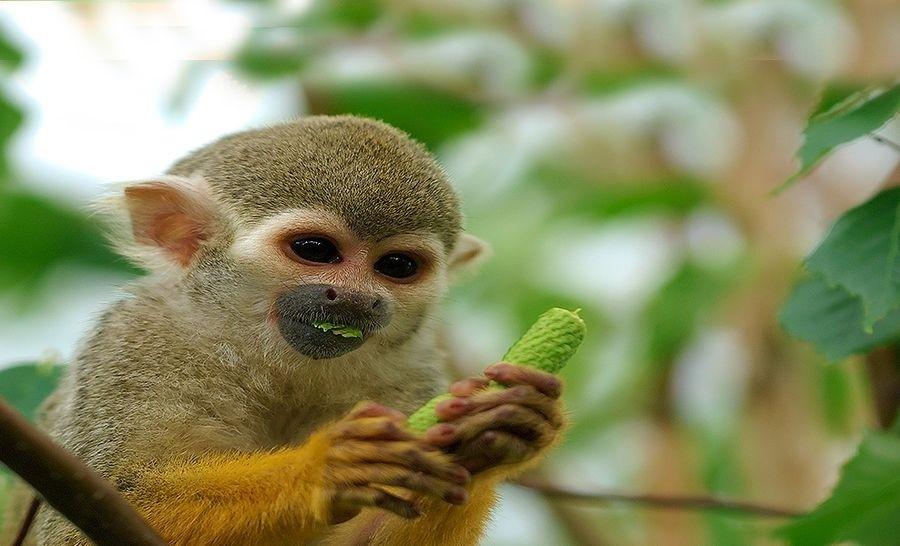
{"type": "Point", "coordinates": [431, 115]}
{"type": "Point", "coordinates": [40, 234]}
{"type": "Point", "coordinates": [683, 304]}
{"type": "Point", "coordinates": [25, 386]}
{"type": "Point", "coordinates": [10, 115]}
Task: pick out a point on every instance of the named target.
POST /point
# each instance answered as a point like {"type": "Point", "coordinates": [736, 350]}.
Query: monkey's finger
{"type": "Point", "coordinates": [510, 374]}
{"type": "Point", "coordinates": [441, 435]}
{"type": "Point", "coordinates": [522, 395]}
{"type": "Point", "coordinates": [413, 455]}
{"type": "Point", "coordinates": [468, 386]}
{"type": "Point", "coordinates": [353, 498]}
{"type": "Point", "coordinates": [519, 420]}
{"type": "Point", "coordinates": [373, 428]}
{"type": "Point", "coordinates": [493, 447]}
{"type": "Point", "coordinates": [373, 474]}
{"type": "Point", "coordinates": [374, 409]}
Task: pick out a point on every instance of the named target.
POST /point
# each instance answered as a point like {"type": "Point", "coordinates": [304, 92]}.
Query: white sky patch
{"type": "Point", "coordinates": [617, 265]}
{"type": "Point", "coordinates": [710, 380]}
{"type": "Point", "coordinates": [98, 105]}
{"type": "Point", "coordinates": [62, 316]}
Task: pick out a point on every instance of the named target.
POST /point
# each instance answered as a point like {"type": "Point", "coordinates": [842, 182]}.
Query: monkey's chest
{"type": "Point", "coordinates": [292, 426]}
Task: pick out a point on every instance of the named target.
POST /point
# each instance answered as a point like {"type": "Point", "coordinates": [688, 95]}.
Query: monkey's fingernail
{"type": "Point", "coordinates": [456, 496]}
{"type": "Point", "coordinates": [461, 475]}
{"type": "Point", "coordinates": [445, 431]}
{"type": "Point", "coordinates": [454, 405]}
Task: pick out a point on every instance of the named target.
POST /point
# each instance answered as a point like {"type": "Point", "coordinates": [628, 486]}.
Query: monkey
{"type": "Point", "coordinates": [212, 398]}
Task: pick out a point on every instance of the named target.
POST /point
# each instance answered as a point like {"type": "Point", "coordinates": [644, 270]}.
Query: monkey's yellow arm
{"type": "Point", "coordinates": [260, 498]}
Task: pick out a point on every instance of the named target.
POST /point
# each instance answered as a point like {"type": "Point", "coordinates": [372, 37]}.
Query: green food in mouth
{"type": "Point", "coordinates": [338, 329]}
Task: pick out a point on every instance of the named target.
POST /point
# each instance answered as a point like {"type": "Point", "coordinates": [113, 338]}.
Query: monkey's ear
{"type": "Point", "coordinates": [468, 252]}
{"type": "Point", "coordinates": [172, 214]}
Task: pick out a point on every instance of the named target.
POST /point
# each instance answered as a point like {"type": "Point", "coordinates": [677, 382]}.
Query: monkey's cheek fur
{"type": "Point", "coordinates": [310, 341]}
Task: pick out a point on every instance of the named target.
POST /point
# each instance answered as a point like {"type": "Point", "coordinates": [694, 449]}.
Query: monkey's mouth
{"type": "Point", "coordinates": [311, 340]}
{"type": "Point", "coordinates": [318, 327]}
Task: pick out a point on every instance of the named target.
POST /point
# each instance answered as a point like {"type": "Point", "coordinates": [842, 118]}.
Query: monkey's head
{"type": "Point", "coordinates": [285, 230]}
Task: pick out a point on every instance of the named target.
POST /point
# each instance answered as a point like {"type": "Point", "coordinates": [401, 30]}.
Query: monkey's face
{"type": "Point", "coordinates": [321, 237]}
{"type": "Point", "coordinates": [328, 291]}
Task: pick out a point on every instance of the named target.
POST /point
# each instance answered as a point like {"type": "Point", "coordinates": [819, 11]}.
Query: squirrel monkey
{"type": "Point", "coordinates": [214, 400]}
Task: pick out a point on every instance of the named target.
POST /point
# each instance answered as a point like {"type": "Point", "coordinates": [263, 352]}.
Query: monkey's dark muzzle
{"type": "Point", "coordinates": [308, 304]}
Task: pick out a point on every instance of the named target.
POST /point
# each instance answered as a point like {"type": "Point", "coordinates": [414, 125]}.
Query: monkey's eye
{"type": "Point", "coordinates": [316, 249]}
{"type": "Point", "coordinates": [396, 266]}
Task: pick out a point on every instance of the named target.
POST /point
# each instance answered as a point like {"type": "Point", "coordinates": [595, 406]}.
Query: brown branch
{"type": "Point", "coordinates": [659, 501]}
{"type": "Point", "coordinates": [886, 141]}
{"type": "Point", "coordinates": [66, 484]}
{"type": "Point", "coordinates": [883, 367]}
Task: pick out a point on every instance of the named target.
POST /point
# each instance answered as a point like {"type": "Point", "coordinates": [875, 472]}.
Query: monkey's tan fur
{"type": "Point", "coordinates": [186, 397]}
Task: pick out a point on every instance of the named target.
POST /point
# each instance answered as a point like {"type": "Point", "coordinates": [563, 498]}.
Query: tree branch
{"type": "Point", "coordinates": [66, 484]}
{"type": "Point", "coordinates": [658, 501]}
{"type": "Point", "coordinates": [886, 141]}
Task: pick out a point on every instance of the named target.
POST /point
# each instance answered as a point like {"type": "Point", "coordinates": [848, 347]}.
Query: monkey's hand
{"type": "Point", "coordinates": [374, 461]}
{"type": "Point", "coordinates": [485, 428]}
{"type": "Point", "coordinates": [494, 433]}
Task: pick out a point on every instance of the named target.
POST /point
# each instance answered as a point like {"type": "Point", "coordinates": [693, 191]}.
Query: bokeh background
{"type": "Point", "coordinates": [618, 155]}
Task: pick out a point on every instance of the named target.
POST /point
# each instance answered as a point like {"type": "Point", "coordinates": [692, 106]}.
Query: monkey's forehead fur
{"type": "Point", "coordinates": [373, 175]}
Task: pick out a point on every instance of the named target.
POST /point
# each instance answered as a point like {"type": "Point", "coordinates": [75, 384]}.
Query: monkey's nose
{"type": "Point", "coordinates": [337, 296]}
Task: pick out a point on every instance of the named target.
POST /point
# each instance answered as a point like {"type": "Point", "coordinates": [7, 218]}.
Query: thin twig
{"type": "Point", "coordinates": [659, 501]}
{"type": "Point", "coordinates": [66, 484]}
{"type": "Point", "coordinates": [886, 141]}
{"type": "Point", "coordinates": [27, 521]}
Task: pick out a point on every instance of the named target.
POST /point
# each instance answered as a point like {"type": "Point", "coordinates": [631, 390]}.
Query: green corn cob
{"type": "Point", "coordinates": [547, 345]}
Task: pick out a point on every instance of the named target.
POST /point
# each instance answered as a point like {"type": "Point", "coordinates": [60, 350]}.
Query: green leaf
{"type": "Point", "coordinates": [10, 55]}
{"type": "Point", "coordinates": [577, 194]}
{"type": "Point", "coordinates": [39, 234]}
{"type": "Point", "coordinates": [623, 79]}
{"type": "Point", "coordinates": [862, 253]}
{"type": "Point", "coordinates": [25, 386]}
{"type": "Point", "coordinates": [350, 14]}
{"type": "Point", "coordinates": [857, 116]}
{"type": "Point", "coordinates": [831, 318]}
{"type": "Point", "coordinates": [10, 120]}
{"type": "Point", "coordinates": [269, 62]}
{"type": "Point", "coordinates": [284, 49]}
{"type": "Point", "coordinates": [429, 115]}
{"type": "Point", "coordinates": [864, 506]}
{"type": "Point", "coordinates": [834, 94]}
{"type": "Point", "coordinates": [838, 403]}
